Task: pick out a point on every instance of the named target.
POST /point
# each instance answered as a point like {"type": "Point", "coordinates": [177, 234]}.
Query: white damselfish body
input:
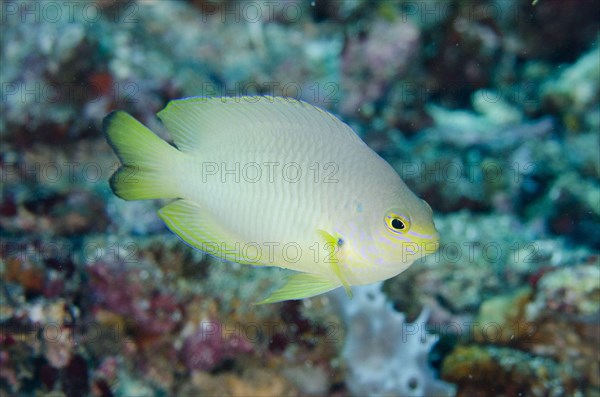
{"type": "Point", "coordinates": [276, 182]}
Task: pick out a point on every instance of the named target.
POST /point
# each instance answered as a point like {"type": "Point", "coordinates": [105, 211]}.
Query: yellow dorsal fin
{"type": "Point", "coordinates": [332, 244]}
{"type": "Point", "coordinates": [199, 121]}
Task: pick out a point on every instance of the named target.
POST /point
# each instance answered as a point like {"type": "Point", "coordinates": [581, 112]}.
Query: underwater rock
{"type": "Point", "coordinates": [53, 88]}
{"type": "Point", "coordinates": [573, 210]}
{"type": "Point", "coordinates": [484, 370]}
{"type": "Point", "coordinates": [18, 362]}
{"type": "Point", "coordinates": [556, 185]}
{"type": "Point", "coordinates": [572, 291]}
{"type": "Point", "coordinates": [136, 292]}
{"type": "Point", "coordinates": [501, 319]}
{"type": "Point", "coordinates": [74, 377]}
{"type": "Point", "coordinates": [574, 94]}
{"type": "Point", "coordinates": [44, 331]}
{"type": "Point", "coordinates": [54, 191]}
{"type": "Point", "coordinates": [554, 324]}
{"type": "Point", "coordinates": [310, 380]}
{"type": "Point", "coordinates": [467, 160]}
{"type": "Point", "coordinates": [25, 272]}
{"type": "Point", "coordinates": [104, 376]}
{"type": "Point", "coordinates": [371, 63]}
{"type": "Point", "coordinates": [137, 218]}
{"type": "Point", "coordinates": [58, 342]}
{"type": "Point", "coordinates": [129, 385]}
{"type": "Point", "coordinates": [531, 26]}
{"type": "Point", "coordinates": [251, 382]}
{"type": "Point", "coordinates": [465, 46]}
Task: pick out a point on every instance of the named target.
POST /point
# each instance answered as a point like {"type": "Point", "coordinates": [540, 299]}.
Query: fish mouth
{"type": "Point", "coordinates": [432, 244]}
{"type": "Point", "coordinates": [430, 247]}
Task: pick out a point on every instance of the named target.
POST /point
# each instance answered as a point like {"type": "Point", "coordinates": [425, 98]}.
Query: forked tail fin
{"type": "Point", "coordinates": [149, 165]}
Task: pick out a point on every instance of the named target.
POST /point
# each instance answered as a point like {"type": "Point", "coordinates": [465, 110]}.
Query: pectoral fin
{"type": "Point", "coordinates": [299, 286]}
{"type": "Point", "coordinates": [333, 244]}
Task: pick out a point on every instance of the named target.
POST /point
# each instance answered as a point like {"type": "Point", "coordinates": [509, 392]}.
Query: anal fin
{"type": "Point", "coordinates": [299, 286]}
{"type": "Point", "coordinates": [196, 227]}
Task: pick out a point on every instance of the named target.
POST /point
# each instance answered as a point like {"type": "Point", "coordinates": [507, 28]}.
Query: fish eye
{"type": "Point", "coordinates": [397, 223]}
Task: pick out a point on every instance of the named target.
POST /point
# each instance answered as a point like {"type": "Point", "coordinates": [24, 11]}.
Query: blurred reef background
{"type": "Point", "coordinates": [489, 110]}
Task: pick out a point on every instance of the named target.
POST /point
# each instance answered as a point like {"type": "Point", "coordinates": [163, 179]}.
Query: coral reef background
{"type": "Point", "coordinates": [490, 111]}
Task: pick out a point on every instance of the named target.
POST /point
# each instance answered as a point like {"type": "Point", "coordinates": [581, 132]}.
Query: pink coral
{"type": "Point", "coordinates": [134, 293]}
{"type": "Point", "coordinates": [210, 344]}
